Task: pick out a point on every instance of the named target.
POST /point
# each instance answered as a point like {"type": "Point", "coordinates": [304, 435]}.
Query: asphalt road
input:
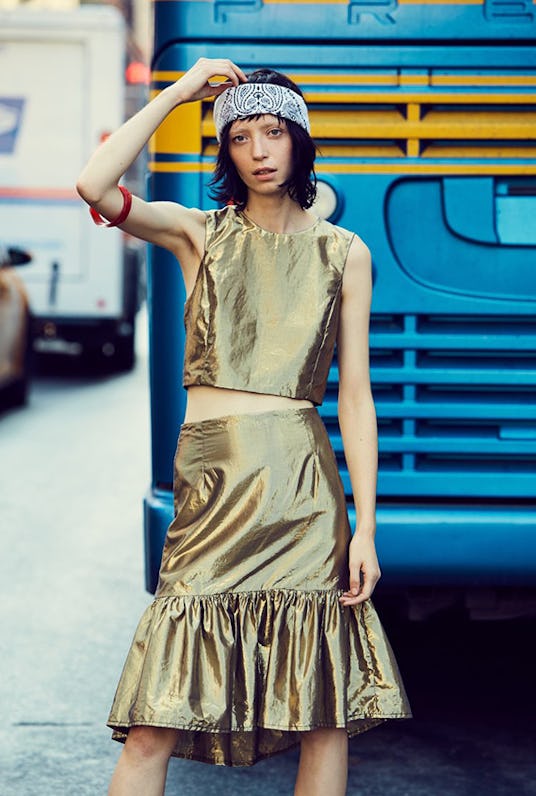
{"type": "Point", "coordinates": [74, 466]}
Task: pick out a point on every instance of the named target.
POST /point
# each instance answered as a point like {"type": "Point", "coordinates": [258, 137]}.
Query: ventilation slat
{"type": "Point", "coordinates": [508, 341]}
{"type": "Point", "coordinates": [455, 375]}
{"type": "Point", "coordinates": [453, 446]}
{"type": "Point", "coordinates": [454, 485]}
{"type": "Point", "coordinates": [455, 399]}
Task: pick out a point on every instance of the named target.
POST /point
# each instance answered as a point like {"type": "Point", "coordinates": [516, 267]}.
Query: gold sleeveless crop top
{"type": "Point", "coordinates": [264, 311]}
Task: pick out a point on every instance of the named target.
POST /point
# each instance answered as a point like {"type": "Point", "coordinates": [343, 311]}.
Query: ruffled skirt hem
{"type": "Point", "coordinates": [241, 675]}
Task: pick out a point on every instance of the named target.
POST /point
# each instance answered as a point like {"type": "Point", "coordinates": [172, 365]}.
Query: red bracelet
{"type": "Point", "coordinates": [125, 210]}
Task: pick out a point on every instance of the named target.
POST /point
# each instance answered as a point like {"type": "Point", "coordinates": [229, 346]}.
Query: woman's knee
{"type": "Point", "coordinates": [150, 743]}
{"type": "Point", "coordinates": [324, 736]}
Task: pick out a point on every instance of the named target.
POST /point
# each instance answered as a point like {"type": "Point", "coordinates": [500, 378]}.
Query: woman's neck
{"type": "Point", "coordinates": [277, 214]}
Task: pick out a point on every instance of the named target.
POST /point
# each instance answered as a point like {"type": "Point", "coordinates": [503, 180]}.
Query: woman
{"type": "Point", "coordinates": [261, 634]}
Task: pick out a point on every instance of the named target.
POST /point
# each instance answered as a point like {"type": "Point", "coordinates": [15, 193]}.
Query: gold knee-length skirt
{"type": "Point", "coordinates": [246, 644]}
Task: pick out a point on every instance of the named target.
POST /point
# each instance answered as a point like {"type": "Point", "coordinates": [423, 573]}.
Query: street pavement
{"type": "Point", "coordinates": [74, 466]}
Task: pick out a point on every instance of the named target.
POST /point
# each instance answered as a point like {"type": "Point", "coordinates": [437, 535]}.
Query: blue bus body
{"type": "Point", "coordinates": [425, 115]}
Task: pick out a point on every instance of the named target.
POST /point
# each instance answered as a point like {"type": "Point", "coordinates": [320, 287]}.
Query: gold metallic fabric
{"type": "Point", "coordinates": [246, 644]}
{"type": "Point", "coordinates": [264, 310]}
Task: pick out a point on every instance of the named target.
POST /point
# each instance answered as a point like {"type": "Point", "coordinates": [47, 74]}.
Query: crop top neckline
{"type": "Point", "coordinates": [247, 220]}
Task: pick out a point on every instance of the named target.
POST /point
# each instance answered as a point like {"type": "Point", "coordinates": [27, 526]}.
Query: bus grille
{"type": "Point", "coordinates": [456, 404]}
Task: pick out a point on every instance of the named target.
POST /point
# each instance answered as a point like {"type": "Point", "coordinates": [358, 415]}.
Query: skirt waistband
{"type": "Point", "coordinates": [220, 421]}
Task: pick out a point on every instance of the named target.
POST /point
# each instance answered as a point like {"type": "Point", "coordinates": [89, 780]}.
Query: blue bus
{"type": "Point", "coordinates": [424, 114]}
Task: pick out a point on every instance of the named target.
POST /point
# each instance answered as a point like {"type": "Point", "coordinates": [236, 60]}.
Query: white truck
{"type": "Point", "coordinates": [62, 90]}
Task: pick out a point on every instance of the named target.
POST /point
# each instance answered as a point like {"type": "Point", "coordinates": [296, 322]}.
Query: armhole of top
{"type": "Point", "coordinates": [209, 231]}
{"type": "Point", "coordinates": [215, 220]}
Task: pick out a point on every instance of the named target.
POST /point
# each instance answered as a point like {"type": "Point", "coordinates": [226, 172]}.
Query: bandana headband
{"type": "Point", "coordinates": [252, 99]}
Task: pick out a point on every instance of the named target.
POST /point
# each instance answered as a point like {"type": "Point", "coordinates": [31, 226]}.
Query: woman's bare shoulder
{"type": "Point", "coordinates": [358, 269]}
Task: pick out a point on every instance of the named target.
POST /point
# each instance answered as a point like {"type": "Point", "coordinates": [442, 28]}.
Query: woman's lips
{"type": "Point", "coordinates": [264, 174]}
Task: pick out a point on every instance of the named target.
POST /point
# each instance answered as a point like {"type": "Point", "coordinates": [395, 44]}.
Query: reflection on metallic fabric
{"type": "Point", "coordinates": [264, 311]}
{"type": "Point", "coordinates": [246, 644]}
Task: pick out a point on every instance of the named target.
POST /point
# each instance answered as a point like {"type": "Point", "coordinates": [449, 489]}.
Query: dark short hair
{"type": "Point", "coordinates": [226, 185]}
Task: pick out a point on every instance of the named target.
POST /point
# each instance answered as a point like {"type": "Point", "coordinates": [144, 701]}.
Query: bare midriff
{"type": "Point", "coordinates": [206, 402]}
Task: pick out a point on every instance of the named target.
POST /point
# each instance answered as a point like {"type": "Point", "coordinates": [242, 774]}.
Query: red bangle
{"type": "Point", "coordinates": [125, 210]}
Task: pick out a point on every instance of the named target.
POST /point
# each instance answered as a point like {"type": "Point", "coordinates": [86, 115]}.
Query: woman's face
{"type": "Point", "coordinates": [261, 150]}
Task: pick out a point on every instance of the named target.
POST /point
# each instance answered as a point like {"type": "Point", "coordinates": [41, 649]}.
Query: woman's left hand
{"type": "Point", "coordinates": [364, 569]}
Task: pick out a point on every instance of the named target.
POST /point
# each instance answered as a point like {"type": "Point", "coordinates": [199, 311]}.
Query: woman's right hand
{"type": "Point", "coordinates": [198, 82]}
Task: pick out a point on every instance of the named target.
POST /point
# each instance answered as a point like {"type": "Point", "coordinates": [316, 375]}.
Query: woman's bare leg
{"type": "Point", "coordinates": [323, 769]}
{"type": "Point", "coordinates": [142, 766]}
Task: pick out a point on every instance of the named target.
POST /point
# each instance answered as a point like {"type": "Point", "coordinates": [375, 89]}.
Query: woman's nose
{"type": "Point", "coordinates": [258, 149]}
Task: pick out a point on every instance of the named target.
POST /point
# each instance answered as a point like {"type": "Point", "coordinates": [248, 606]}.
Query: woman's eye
{"type": "Point", "coordinates": [237, 139]}
{"type": "Point", "coordinates": [276, 131]}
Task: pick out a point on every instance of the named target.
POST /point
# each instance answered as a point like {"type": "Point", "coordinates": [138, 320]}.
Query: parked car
{"type": "Point", "coordinates": [15, 330]}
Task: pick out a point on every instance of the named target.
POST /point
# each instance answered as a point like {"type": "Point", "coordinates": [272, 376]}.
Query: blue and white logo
{"type": "Point", "coordinates": [10, 122]}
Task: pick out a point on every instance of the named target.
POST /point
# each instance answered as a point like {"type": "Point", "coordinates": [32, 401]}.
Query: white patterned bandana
{"type": "Point", "coordinates": [256, 99]}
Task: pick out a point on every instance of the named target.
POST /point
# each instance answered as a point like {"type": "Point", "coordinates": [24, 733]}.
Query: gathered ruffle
{"type": "Point", "coordinates": [242, 674]}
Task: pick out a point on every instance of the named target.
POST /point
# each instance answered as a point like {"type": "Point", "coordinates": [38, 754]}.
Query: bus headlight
{"type": "Point", "coordinates": [327, 202]}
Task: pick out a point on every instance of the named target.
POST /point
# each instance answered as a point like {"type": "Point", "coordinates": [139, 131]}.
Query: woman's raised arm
{"type": "Point", "coordinates": [158, 222]}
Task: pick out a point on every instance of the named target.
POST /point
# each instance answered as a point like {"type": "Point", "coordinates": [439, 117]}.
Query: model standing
{"type": "Point", "coordinates": [262, 634]}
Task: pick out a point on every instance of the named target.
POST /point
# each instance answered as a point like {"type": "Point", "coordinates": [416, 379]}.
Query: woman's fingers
{"type": "Point", "coordinates": [241, 75]}
{"type": "Point", "coordinates": [364, 570]}
{"type": "Point", "coordinates": [347, 599]}
{"type": "Point", "coordinates": [363, 579]}
{"type": "Point", "coordinates": [201, 80]}
{"type": "Point", "coordinates": [214, 68]}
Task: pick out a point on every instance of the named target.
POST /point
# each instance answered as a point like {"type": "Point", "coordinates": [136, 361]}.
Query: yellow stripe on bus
{"type": "Point", "coordinates": [159, 167]}
{"type": "Point", "coordinates": [435, 125]}
{"type": "Point", "coordinates": [388, 79]}
{"type": "Point", "coordinates": [483, 80]}
{"type": "Point", "coordinates": [424, 97]}
{"type": "Point", "coordinates": [182, 127]}
{"type": "Point", "coordinates": [427, 150]}
{"type": "Point", "coordinates": [374, 168]}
